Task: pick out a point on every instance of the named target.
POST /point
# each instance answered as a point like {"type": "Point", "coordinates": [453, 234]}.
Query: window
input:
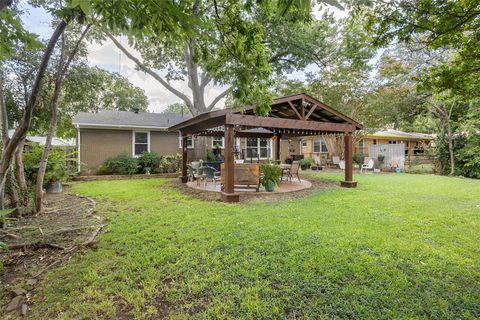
{"type": "Point", "coordinates": [374, 141]}
{"type": "Point", "coordinates": [190, 143]}
{"type": "Point", "coordinates": [392, 141]}
{"type": "Point", "coordinates": [259, 148]}
{"type": "Point", "coordinates": [319, 146]}
{"type": "Point", "coordinates": [304, 143]}
{"type": "Point", "coordinates": [217, 142]}
{"type": "Point", "coordinates": [141, 142]}
{"type": "Point", "coordinates": [361, 145]}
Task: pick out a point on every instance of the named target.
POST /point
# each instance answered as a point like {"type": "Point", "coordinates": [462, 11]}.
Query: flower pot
{"type": "Point", "coordinates": [54, 187]}
{"type": "Point", "coordinates": [270, 186]}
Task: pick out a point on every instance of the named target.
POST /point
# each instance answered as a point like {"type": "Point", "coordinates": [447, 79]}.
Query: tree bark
{"type": "Point", "coordinates": [450, 146]}
{"type": "Point", "coordinates": [22, 181]}
{"type": "Point", "coordinates": [21, 130]}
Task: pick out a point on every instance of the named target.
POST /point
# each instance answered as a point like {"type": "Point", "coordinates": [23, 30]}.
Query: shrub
{"type": "Point", "coordinates": [211, 156]}
{"type": "Point", "coordinates": [358, 158]}
{"type": "Point", "coordinates": [306, 163]}
{"type": "Point", "coordinates": [56, 166]}
{"type": "Point", "coordinates": [122, 164]}
{"type": "Point", "coordinates": [149, 161]}
{"type": "Point", "coordinates": [170, 163]}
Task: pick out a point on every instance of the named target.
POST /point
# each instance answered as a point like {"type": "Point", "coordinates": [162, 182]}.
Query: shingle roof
{"type": "Point", "coordinates": [114, 118]}
{"type": "Point", "coordinates": [400, 134]}
{"type": "Point", "coordinates": [57, 142]}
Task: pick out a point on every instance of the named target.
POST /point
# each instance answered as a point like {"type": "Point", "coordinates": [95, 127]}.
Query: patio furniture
{"type": "Point", "coordinates": [246, 175]}
{"type": "Point", "coordinates": [336, 161]}
{"type": "Point", "coordinates": [285, 168]}
{"type": "Point", "coordinates": [367, 164]}
{"type": "Point", "coordinates": [341, 164]}
{"type": "Point", "coordinates": [211, 174]}
{"type": "Point", "coordinates": [200, 175]}
{"type": "Point", "coordinates": [293, 171]}
{"type": "Point", "coordinates": [318, 163]}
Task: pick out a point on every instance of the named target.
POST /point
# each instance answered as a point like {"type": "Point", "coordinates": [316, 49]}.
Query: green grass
{"type": "Point", "coordinates": [420, 168]}
{"type": "Point", "coordinates": [398, 246]}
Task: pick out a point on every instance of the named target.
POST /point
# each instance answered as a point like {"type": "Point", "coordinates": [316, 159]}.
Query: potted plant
{"type": "Point", "coordinates": [54, 176]}
{"type": "Point", "coordinates": [271, 174]}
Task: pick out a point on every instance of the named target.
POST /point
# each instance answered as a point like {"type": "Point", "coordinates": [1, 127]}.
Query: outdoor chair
{"type": "Point", "coordinates": [318, 163]}
{"type": "Point", "coordinates": [367, 164]}
{"type": "Point", "coordinates": [341, 164]}
{"type": "Point", "coordinates": [191, 173]}
{"type": "Point", "coordinates": [293, 171]}
{"type": "Point", "coordinates": [336, 161]}
{"type": "Point", "coordinates": [200, 175]}
{"type": "Point", "coordinates": [211, 174]}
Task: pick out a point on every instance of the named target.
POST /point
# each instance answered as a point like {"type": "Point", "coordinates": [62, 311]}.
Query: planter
{"type": "Point", "coordinates": [270, 186]}
{"type": "Point", "coordinates": [54, 187]}
{"type": "Point", "coordinates": [213, 164]}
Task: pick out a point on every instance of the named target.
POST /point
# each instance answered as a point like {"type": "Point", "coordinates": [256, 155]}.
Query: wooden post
{"type": "Point", "coordinates": [184, 177]}
{"type": "Point", "coordinates": [277, 147]}
{"type": "Point", "coordinates": [348, 183]}
{"type": "Point", "coordinates": [228, 194]}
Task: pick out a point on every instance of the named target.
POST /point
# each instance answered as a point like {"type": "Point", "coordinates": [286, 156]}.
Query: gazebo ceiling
{"type": "Point", "coordinates": [298, 114]}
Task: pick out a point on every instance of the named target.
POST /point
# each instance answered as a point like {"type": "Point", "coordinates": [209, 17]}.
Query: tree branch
{"type": "Point", "coordinates": [218, 98]}
{"type": "Point", "coordinates": [149, 71]}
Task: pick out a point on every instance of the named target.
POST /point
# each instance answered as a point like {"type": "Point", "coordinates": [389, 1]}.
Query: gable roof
{"type": "Point", "coordinates": [391, 133]}
{"type": "Point", "coordinates": [297, 114]}
{"type": "Point", "coordinates": [128, 119]}
{"type": "Point", "coordinates": [56, 142]}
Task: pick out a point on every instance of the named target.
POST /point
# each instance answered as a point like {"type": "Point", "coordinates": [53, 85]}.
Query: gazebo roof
{"type": "Point", "coordinates": [298, 114]}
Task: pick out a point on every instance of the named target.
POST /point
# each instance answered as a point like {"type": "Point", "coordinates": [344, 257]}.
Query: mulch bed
{"type": "Point", "coordinates": [41, 242]}
{"type": "Point", "coordinates": [317, 185]}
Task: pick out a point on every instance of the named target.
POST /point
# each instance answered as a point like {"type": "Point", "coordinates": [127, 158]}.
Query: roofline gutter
{"type": "Point", "coordinates": [115, 126]}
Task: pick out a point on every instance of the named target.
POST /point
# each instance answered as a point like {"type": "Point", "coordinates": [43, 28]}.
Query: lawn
{"type": "Point", "coordinates": [398, 246]}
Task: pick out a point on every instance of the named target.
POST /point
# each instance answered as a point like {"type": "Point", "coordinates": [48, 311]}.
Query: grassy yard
{"type": "Point", "coordinates": [398, 246]}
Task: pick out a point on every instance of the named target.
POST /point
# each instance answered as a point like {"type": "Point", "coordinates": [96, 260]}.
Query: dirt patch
{"type": "Point", "coordinates": [317, 185]}
{"type": "Point", "coordinates": [38, 243]}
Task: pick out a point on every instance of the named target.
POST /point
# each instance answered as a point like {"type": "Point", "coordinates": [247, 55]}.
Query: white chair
{"type": "Point", "coordinates": [341, 164]}
{"type": "Point", "coordinates": [367, 165]}
{"type": "Point", "coordinates": [336, 161]}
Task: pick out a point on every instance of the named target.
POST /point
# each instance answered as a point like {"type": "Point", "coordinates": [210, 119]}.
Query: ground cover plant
{"type": "Point", "coordinates": [398, 246]}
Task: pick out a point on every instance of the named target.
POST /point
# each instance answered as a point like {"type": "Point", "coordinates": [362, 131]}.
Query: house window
{"type": "Point", "coordinates": [190, 143]}
{"type": "Point", "coordinates": [141, 142]}
{"type": "Point", "coordinates": [392, 141]}
{"type": "Point", "coordinates": [374, 141]}
{"type": "Point", "coordinates": [319, 146]}
{"type": "Point", "coordinates": [304, 143]}
{"type": "Point", "coordinates": [361, 145]}
{"type": "Point", "coordinates": [259, 148]}
{"type": "Point", "coordinates": [217, 142]}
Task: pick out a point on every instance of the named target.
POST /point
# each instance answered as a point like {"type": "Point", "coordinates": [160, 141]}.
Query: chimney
{"type": "Point", "coordinates": [135, 109]}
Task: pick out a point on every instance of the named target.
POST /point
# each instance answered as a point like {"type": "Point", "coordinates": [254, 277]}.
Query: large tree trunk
{"type": "Point", "coordinates": [21, 130]}
{"type": "Point", "coordinates": [450, 147]}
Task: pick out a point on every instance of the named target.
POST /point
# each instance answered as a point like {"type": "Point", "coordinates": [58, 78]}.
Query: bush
{"type": "Point", "coordinates": [56, 166]}
{"type": "Point", "coordinates": [306, 163]}
{"type": "Point", "coordinates": [211, 156]}
{"type": "Point", "coordinates": [170, 163]}
{"type": "Point", "coordinates": [122, 164]}
{"type": "Point", "coordinates": [358, 158]}
{"type": "Point", "coordinates": [149, 161]}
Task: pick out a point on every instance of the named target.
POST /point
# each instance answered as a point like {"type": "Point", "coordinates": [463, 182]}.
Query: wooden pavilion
{"type": "Point", "coordinates": [294, 115]}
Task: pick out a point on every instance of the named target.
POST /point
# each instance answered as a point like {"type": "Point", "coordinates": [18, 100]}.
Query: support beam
{"type": "Point", "coordinates": [269, 122]}
{"type": "Point", "coordinates": [314, 106]}
{"type": "Point", "coordinates": [228, 194]}
{"type": "Point", "coordinates": [295, 109]}
{"type": "Point", "coordinates": [184, 177]}
{"type": "Point", "coordinates": [277, 147]}
{"type": "Point", "coordinates": [348, 183]}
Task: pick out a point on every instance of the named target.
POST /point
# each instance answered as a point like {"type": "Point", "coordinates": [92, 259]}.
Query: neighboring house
{"type": "Point", "coordinates": [415, 143]}
{"type": "Point", "coordinates": [56, 142]}
{"type": "Point", "coordinates": [109, 133]}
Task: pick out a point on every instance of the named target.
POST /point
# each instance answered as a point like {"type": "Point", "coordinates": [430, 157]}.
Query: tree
{"type": "Point", "coordinates": [177, 108]}
{"type": "Point", "coordinates": [237, 45]}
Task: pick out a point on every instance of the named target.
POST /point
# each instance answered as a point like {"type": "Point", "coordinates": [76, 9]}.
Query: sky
{"type": "Point", "coordinates": [106, 56]}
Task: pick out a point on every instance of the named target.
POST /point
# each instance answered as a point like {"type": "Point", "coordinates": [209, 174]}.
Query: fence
{"type": "Point", "coordinates": [394, 153]}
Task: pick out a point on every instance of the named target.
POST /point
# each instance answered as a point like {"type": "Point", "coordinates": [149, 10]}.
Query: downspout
{"type": "Point", "coordinates": [78, 149]}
